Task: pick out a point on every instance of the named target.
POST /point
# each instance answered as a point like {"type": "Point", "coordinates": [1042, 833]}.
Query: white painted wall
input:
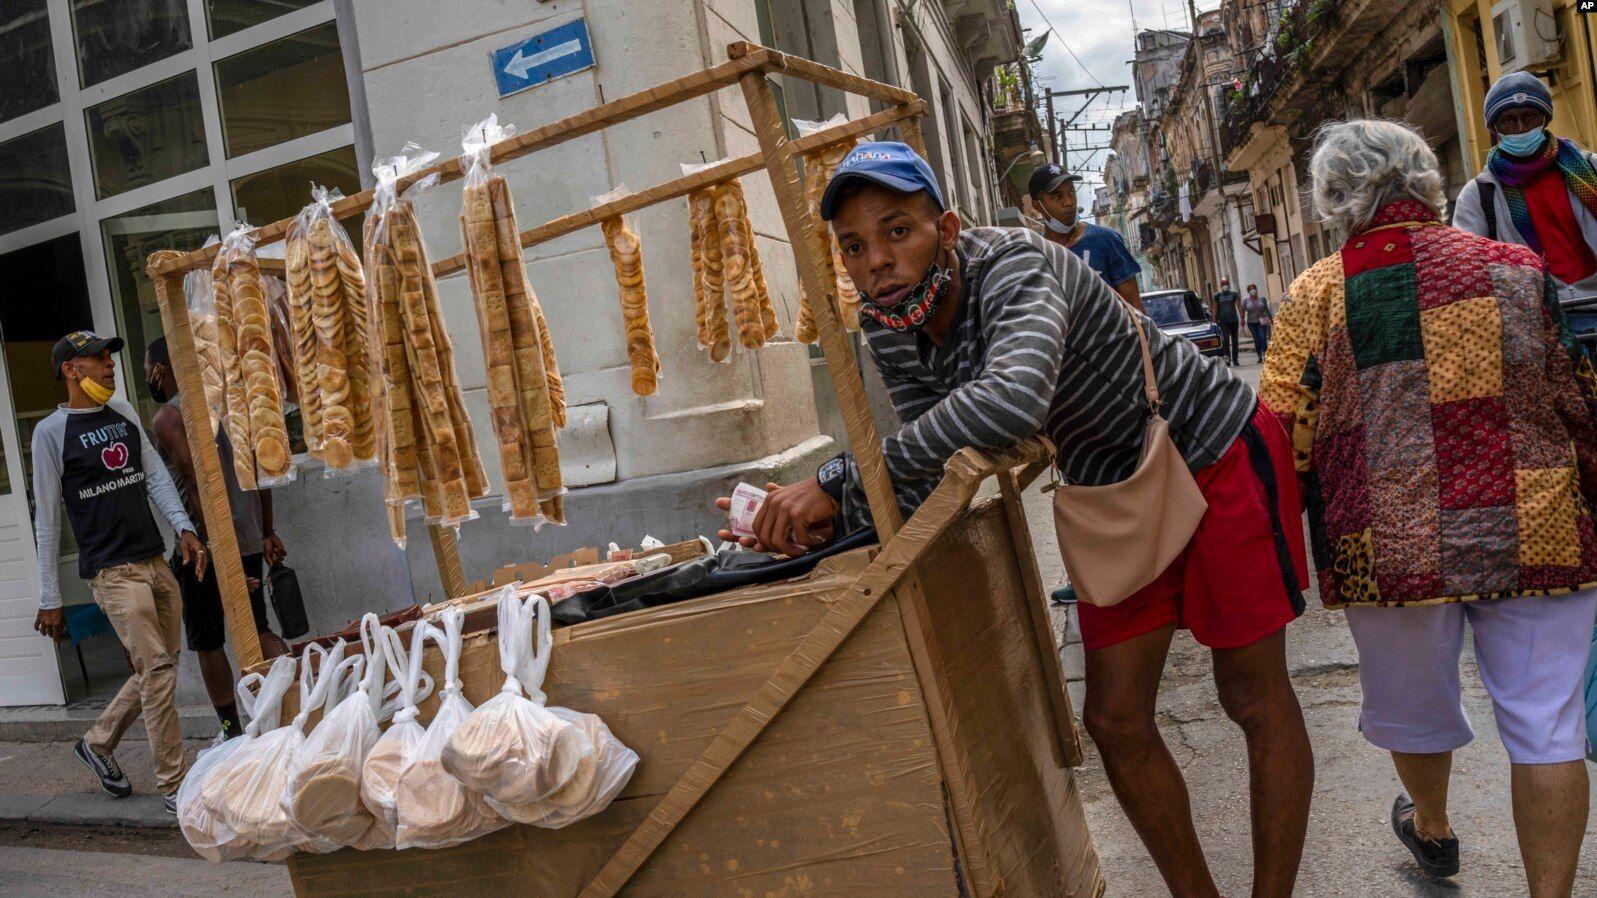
{"type": "Point", "coordinates": [427, 76]}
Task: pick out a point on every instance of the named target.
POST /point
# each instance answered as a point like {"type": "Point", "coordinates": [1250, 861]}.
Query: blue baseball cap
{"type": "Point", "coordinates": [885, 162]}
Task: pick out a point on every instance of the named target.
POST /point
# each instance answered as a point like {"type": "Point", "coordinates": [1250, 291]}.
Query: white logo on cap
{"type": "Point", "coordinates": [1520, 97]}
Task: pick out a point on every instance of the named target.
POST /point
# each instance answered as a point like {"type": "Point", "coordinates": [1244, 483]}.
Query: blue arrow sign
{"type": "Point", "coordinates": [543, 57]}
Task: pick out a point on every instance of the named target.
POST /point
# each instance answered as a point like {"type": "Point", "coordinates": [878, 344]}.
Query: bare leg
{"type": "Point", "coordinates": [218, 676]}
{"type": "Point", "coordinates": [1256, 693]}
{"type": "Point", "coordinates": [1425, 779]}
{"type": "Point", "coordinates": [1122, 687]}
{"type": "Point", "coordinates": [1550, 807]}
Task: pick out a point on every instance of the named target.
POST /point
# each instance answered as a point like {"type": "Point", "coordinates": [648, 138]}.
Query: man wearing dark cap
{"type": "Point", "coordinates": [1537, 190]}
{"type": "Point", "coordinates": [986, 337]}
{"type": "Point", "coordinates": [92, 455]}
{"type": "Point", "coordinates": [1054, 191]}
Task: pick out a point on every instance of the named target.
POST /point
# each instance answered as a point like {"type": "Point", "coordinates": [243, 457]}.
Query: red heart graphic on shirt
{"type": "Point", "coordinates": [115, 456]}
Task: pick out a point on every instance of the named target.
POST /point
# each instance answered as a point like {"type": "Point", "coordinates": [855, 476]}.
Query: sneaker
{"type": "Point", "coordinates": [170, 801]}
{"type": "Point", "coordinates": [1437, 858]}
{"type": "Point", "coordinates": [1064, 595]}
{"type": "Point", "coordinates": [105, 768]}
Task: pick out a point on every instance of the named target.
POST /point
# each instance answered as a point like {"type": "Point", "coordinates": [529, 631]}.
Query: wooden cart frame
{"type": "Point", "coordinates": [892, 571]}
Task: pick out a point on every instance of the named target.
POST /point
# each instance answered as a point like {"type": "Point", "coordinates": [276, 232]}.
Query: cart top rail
{"type": "Point", "coordinates": [744, 58]}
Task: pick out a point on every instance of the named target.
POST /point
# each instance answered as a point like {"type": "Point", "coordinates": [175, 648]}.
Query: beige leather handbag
{"type": "Point", "coordinates": [1117, 538]}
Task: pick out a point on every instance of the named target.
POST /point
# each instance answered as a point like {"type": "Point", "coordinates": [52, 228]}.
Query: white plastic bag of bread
{"type": "Point", "coordinates": [322, 795]}
{"type": "Point", "coordinates": [600, 773]}
{"type": "Point", "coordinates": [200, 298]}
{"type": "Point", "coordinates": [511, 749]}
{"type": "Point", "coordinates": [435, 809]}
{"type": "Point", "coordinates": [332, 340]}
{"type": "Point", "coordinates": [386, 760]}
{"type": "Point", "coordinates": [818, 169]}
{"type": "Point", "coordinates": [260, 697]}
{"type": "Point", "coordinates": [427, 447]}
{"type": "Point", "coordinates": [525, 391]}
{"type": "Point", "coordinates": [252, 789]}
{"type": "Point", "coordinates": [254, 418]}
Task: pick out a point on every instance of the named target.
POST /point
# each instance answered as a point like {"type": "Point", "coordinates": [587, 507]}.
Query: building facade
{"type": "Point", "coordinates": [152, 124]}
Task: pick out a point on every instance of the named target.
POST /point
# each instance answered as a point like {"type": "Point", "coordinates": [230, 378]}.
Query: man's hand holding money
{"type": "Point", "coordinates": [792, 519]}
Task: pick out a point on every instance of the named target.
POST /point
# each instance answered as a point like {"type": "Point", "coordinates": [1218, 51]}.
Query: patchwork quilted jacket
{"type": "Point", "coordinates": [1441, 417]}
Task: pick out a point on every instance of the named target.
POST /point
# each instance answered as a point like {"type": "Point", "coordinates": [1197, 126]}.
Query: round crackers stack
{"type": "Point", "coordinates": [626, 253]}
{"type": "Point", "coordinates": [254, 404]}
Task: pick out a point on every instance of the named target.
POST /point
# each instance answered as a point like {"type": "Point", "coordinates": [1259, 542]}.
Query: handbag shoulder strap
{"type": "Point", "coordinates": [1150, 384]}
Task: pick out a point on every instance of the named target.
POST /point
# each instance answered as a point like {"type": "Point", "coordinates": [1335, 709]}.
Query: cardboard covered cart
{"type": "Point", "coordinates": [893, 723]}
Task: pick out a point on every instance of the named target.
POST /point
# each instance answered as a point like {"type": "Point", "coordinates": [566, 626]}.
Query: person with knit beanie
{"type": "Point", "coordinates": [1537, 190]}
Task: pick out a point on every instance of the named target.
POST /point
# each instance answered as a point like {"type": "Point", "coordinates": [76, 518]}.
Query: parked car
{"type": "Point", "coordinates": [1180, 313]}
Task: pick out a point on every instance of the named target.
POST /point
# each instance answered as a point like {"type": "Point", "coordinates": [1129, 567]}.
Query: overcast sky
{"type": "Point", "coordinates": [1099, 32]}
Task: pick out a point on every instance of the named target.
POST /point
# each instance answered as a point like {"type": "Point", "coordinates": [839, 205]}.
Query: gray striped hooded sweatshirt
{"type": "Point", "coordinates": [1041, 345]}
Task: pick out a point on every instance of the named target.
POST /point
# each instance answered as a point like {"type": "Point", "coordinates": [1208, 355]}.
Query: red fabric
{"type": "Point", "coordinates": [1227, 586]}
{"type": "Point", "coordinates": [1568, 257]}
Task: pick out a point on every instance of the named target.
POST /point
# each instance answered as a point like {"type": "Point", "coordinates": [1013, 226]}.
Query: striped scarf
{"type": "Point", "coordinates": [1515, 174]}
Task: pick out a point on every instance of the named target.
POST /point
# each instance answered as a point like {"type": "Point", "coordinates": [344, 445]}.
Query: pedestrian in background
{"type": "Point", "coordinates": [92, 454]}
{"type": "Point", "coordinates": [1443, 421]}
{"type": "Point", "coordinates": [1537, 190]}
{"type": "Point", "coordinates": [1054, 191]}
{"type": "Point", "coordinates": [1224, 305]}
{"type": "Point", "coordinates": [1256, 314]}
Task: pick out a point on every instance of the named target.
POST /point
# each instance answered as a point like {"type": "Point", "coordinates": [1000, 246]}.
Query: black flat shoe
{"type": "Point", "coordinates": [1437, 858]}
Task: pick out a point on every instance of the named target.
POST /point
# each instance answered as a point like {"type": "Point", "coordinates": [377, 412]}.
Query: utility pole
{"type": "Point", "coordinates": [1062, 142]}
{"type": "Point", "coordinates": [1053, 142]}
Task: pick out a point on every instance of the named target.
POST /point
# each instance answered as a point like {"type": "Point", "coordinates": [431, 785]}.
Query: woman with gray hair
{"type": "Point", "coordinates": [1442, 420]}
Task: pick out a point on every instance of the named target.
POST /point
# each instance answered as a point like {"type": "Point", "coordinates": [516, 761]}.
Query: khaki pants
{"type": "Point", "coordinates": [141, 599]}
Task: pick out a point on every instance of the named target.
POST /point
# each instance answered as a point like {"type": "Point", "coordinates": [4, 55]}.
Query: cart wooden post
{"type": "Point", "coordinates": [225, 562]}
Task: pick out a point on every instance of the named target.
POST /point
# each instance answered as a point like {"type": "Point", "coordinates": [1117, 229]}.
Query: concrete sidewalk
{"type": "Point", "coordinates": [44, 782]}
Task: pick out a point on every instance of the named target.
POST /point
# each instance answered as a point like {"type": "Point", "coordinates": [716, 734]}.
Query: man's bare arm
{"type": "Point", "coordinates": [172, 440]}
{"type": "Point", "coordinates": [1128, 291]}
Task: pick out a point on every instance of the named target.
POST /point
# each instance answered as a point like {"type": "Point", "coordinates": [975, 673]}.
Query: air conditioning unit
{"type": "Point", "coordinates": [1264, 223]}
{"type": "Point", "coordinates": [1526, 34]}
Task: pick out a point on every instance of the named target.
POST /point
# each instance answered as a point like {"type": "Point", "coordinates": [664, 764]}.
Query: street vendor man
{"type": "Point", "coordinates": [986, 337]}
{"type": "Point", "coordinates": [259, 546]}
{"type": "Point", "coordinates": [92, 455]}
{"type": "Point", "coordinates": [1103, 249]}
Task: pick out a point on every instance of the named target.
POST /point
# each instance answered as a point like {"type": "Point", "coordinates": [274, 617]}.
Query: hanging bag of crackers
{"type": "Point", "coordinates": [525, 391]}
{"type": "Point", "coordinates": [626, 254]}
{"type": "Point", "coordinates": [819, 166]}
{"type": "Point", "coordinates": [330, 323]}
{"type": "Point", "coordinates": [200, 298]}
{"type": "Point", "coordinates": [427, 447]}
{"type": "Point", "coordinates": [253, 398]}
{"type": "Point", "coordinates": [726, 261]}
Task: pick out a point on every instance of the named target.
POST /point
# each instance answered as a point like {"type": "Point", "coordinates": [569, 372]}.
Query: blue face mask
{"type": "Point", "coordinates": [1522, 144]}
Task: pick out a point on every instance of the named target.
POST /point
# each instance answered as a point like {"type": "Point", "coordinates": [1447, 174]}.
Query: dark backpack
{"type": "Point", "coordinates": [1488, 195]}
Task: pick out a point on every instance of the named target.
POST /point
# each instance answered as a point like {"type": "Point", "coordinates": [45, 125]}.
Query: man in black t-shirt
{"type": "Point", "coordinates": [1224, 303]}
{"type": "Point", "coordinates": [92, 455]}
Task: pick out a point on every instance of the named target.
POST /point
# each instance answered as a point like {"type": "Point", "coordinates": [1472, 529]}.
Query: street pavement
{"type": "Point", "coordinates": [1351, 850]}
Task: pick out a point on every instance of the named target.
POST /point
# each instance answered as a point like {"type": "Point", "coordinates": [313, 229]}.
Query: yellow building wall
{"type": "Point", "coordinates": [1574, 94]}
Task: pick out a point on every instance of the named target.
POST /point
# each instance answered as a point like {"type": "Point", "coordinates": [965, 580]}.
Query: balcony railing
{"type": "Point", "coordinates": [1288, 51]}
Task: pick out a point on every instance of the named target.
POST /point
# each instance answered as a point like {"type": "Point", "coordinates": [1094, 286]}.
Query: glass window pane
{"type": "Point", "coordinates": [228, 16]}
{"type": "Point", "coordinates": [118, 36]}
{"type": "Point", "coordinates": [282, 90]}
{"type": "Point", "coordinates": [30, 62]}
{"type": "Point", "coordinates": [147, 135]}
{"type": "Point", "coordinates": [181, 223]}
{"type": "Point", "coordinates": [281, 192]}
{"type": "Point", "coordinates": [35, 181]}
{"type": "Point", "coordinates": [53, 270]}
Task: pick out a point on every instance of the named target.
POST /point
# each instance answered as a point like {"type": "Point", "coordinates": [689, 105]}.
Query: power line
{"type": "Point", "coordinates": [1062, 43]}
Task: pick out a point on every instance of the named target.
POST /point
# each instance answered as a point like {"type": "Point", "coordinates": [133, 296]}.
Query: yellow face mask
{"type": "Point", "coordinates": [94, 390]}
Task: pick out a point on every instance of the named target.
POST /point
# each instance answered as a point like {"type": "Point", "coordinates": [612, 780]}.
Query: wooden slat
{"type": "Point", "coordinates": [446, 551]}
{"type": "Point", "coordinates": [570, 128]}
{"type": "Point", "coordinates": [821, 74]}
{"type": "Point", "coordinates": [963, 475]}
{"type": "Point", "coordinates": [1067, 745]}
{"type": "Point", "coordinates": [679, 187]}
{"type": "Point", "coordinates": [220, 537]}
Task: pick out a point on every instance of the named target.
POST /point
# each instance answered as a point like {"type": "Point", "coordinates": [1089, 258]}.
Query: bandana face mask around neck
{"type": "Point", "coordinates": [918, 305]}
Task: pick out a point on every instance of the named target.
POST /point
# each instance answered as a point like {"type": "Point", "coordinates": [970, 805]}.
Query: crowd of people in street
{"type": "Point", "coordinates": [1423, 400]}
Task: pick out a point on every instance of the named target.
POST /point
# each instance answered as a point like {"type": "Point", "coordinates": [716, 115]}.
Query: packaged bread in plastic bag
{"type": "Point", "coordinates": [511, 749]}
{"type": "Point", "coordinates": [322, 795]}
{"type": "Point", "coordinates": [261, 698]}
{"type": "Point", "coordinates": [252, 790]}
{"type": "Point", "coordinates": [435, 810]}
{"type": "Point", "coordinates": [389, 754]}
{"type": "Point", "coordinates": [600, 774]}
